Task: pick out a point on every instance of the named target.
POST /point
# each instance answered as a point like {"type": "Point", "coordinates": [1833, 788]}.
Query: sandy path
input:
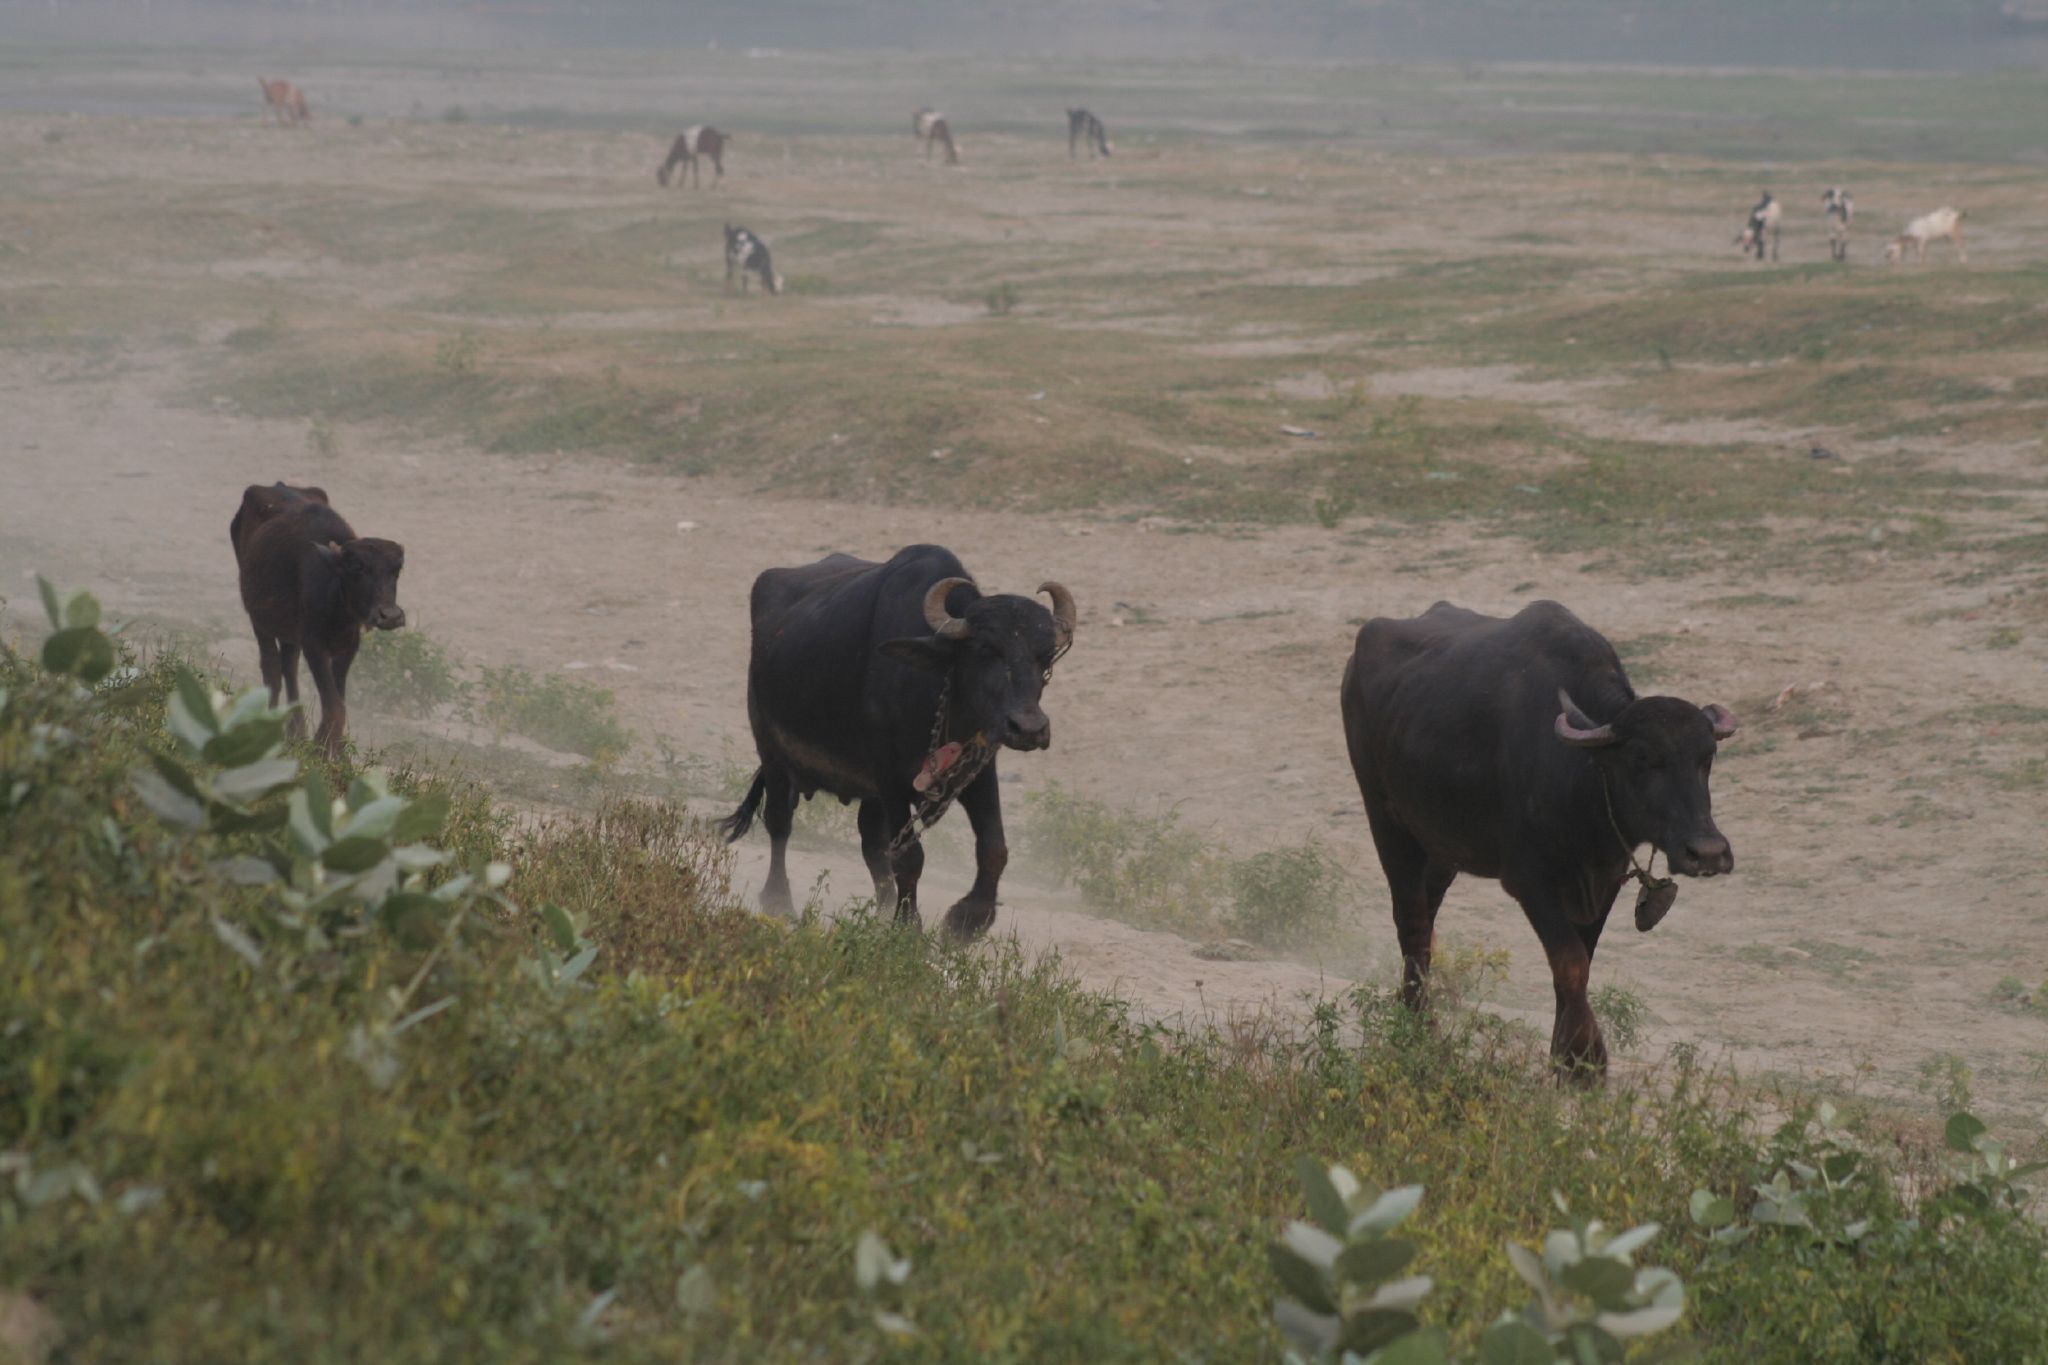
{"type": "Point", "coordinates": [1204, 678]}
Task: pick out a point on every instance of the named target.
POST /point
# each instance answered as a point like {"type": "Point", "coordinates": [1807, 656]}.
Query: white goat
{"type": "Point", "coordinates": [1943, 222]}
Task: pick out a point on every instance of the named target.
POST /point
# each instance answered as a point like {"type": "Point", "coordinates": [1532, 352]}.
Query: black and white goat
{"type": "Point", "coordinates": [930, 126]}
{"type": "Point", "coordinates": [1763, 221]}
{"type": "Point", "coordinates": [1082, 125]}
{"type": "Point", "coordinates": [1838, 208]}
{"type": "Point", "coordinates": [701, 142]}
{"type": "Point", "coordinates": [743, 252]}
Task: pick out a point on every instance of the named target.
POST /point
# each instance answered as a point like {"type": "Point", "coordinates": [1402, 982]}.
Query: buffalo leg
{"type": "Point", "coordinates": [333, 711]}
{"type": "Point", "coordinates": [1418, 892]}
{"type": "Point", "coordinates": [266, 659]}
{"type": "Point", "coordinates": [1576, 1048]}
{"type": "Point", "coordinates": [874, 851]}
{"type": "Point", "coordinates": [778, 813]}
{"type": "Point", "coordinates": [288, 669]}
{"type": "Point", "coordinates": [907, 864]}
{"type": "Point", "coordinates": [983, 802]}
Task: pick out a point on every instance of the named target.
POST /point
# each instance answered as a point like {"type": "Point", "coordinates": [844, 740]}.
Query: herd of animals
{"type": "Point", "coordinates": [1510, 749]}
{"type": "Point", "coordinates": [1839, 208]}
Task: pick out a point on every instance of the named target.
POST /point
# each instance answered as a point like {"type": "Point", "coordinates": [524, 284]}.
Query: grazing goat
{"type": "Point", "coordinates": [690, 149]}
{"type": "Point", "coordinates": [1082, 125]}
{"type": "Point", "coordinates": [285, 102]}
{"type": "Point", "coordinates": [1839, 208]}
{"type": "Point", "coordinates": [1943, 222]}
{"type": "Point", "coordinates": [1763, 221]}
{"type": "Point", "coordinates": [743, 252]}
{"type": "Point", "coordinates": [930, 126]}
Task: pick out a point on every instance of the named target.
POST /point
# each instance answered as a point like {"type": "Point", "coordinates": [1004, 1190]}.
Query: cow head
{"type": "Point", "coordinates": [1655, 758]}
{"type": "Point", "coordinates": [998, 651]}
{"type": "Point", "coordinates": [369, 570]}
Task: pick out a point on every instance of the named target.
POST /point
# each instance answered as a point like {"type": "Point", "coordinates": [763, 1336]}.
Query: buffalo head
{"type": "Point", "coordinates": [998, 651]}
{"type": "Point", "coordinates": [369, 570]}
{"type": "Point", "coordinates": [1655, 758]}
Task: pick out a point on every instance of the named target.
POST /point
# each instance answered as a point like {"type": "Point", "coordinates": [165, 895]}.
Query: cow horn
{"type": "Point", "coordinates": [1571, 733]}
{"type": "Point", "coordinates": [1721, 718]}
{"type": "Point", "coordinates": [944, 623]}
{"type": "Point", "coordinates": [1065, 615]}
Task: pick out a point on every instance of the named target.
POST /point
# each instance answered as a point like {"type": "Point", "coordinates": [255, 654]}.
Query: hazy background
{"type": "Point", "coordinates": [1908, 34]}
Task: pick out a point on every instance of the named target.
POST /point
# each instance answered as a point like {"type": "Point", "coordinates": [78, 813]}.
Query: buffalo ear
{"type": "Point", "coordinates": [1721, 718]}
{"type": "Point", "coordinates": [927, 652]}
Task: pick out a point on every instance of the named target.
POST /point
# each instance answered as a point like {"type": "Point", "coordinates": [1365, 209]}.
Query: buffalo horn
{"type": "Point", "coordinates": [1065, 615]}
{"type": "Point", "coordinates": [944, 624]}
{"type": "Point", "coordinates": [1573, 734]}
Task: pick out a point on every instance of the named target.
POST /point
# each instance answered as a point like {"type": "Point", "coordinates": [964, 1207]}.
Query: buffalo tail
{"type": "Point", "coordinates": [736, 825]}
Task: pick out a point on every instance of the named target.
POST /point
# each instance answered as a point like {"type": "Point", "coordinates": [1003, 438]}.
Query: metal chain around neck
{"type": "Point", "coordinates": [976, 754]}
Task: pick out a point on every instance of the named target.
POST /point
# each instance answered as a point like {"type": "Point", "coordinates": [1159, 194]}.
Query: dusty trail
{"type": "Point", "coordinates": [1204, 679]}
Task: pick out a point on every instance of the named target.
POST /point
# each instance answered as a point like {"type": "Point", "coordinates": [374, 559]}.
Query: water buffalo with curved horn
{"type": "Point", "coordinates": [894, 685]}
{"type": "Point", "coordinates": [1516, 749]}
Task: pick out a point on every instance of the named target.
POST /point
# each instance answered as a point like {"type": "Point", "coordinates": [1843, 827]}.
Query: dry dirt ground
{"type": "Point", "coordinates": [1887, 819]}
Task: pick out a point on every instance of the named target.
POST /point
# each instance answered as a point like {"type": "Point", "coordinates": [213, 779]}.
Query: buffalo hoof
{"type": "Point", "coordinates": [969, 920]}
{"type": "Point", "coordinates": [775, 900]}
{"type": "Point", "coordinates": [295, 728]}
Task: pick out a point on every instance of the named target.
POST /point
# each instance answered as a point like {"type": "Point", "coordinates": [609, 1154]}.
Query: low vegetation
{"type": "Point", "coordinates": [410, 674]}
{"type": "Point", "coordinates": [311, 1062]}
{"type": "Point", "coordinates": [1155, 872]}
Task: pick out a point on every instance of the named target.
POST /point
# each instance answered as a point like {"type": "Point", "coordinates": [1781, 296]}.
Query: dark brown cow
{"type": "Point", "coordinates": [310, 585]}
{"type": "Point", "coordinates": [691, 146]}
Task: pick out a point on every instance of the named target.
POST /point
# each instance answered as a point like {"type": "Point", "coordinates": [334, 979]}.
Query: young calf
{"type": "Point", "coordinates": [1943, 222]}
{"type": "Point", "coordinates": [285, 102]}
{"type": "Point", "coordinates": [1083, 125]}
{"type": "Point", "coordinates": [702, 141]}
{"type": "Point", "coordinates": [743, 252]}
{"type": "Point", "coordinates": [1838, 208]}
{"type": "Point", "coordinates": [310, 585]}
{"type": "Point", "coordinates": [1763, 220]}
{"type": "Point", "coordinates": [930, 126]}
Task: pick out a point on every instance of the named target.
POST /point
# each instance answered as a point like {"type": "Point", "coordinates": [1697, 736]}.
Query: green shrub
{"type": "Point", "coordinates": [404, 671]}
{"type": "Point", "coordinates": [1145, 869]}
{"type": "Point", "coordinates": [558, 712]}
{"type": "Point", "coordinates": [1286, 897]}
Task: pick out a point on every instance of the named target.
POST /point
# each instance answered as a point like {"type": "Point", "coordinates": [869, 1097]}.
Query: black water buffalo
{"type": "Point", "coordinates": [311, 584]}
{"type": "Point", "coordinates": [1516, 749]}
{"type": "Point", "coordinates": [852, 663]}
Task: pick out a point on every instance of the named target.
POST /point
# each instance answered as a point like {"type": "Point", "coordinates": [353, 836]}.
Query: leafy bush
{"type": "Point", "coordinates": [1286, 897]}
{"type": "Point", "coordinates": [558, 712]}
{"type": "Point", "coordinates": [1344, 1304]}
{"type": "Point", "coordinates": [1621, 1013]}
{"type": "Point", "coordinates": [1152, 870]}
{"type": "Point", "coordinates": [1001, 300]}
{"type": "Point", "coordinates": [404, 671]}
{"type": "Point", "coordinates": [1147, 869]}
